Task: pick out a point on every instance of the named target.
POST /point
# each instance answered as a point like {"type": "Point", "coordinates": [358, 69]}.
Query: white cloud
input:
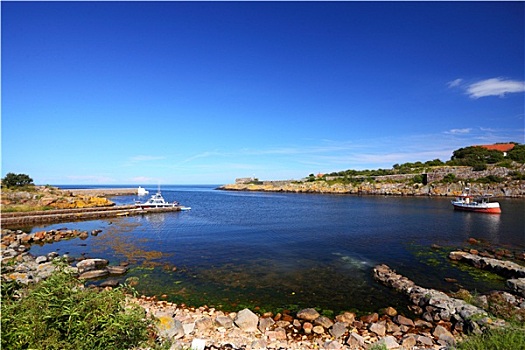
{"type": "Point", "coordinates": [494, 87]}
{"type": "Point", "coordinates": [454, 83]}
{"type": "Point", "coordinates": [145, 158]}
{"type": "Point", "coordinates": [459, 131]}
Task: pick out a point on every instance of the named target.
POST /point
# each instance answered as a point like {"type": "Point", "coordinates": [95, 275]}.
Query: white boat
{"type": "Point", "coordinates": [480, 204]}
{"type": "Point", "coordinates": [156, 201]}
{"type": "Point", "coordinates": [142, 191]}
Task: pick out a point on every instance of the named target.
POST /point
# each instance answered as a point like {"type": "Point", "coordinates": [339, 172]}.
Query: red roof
{"type": "Point", "coordinates": [502, 147]}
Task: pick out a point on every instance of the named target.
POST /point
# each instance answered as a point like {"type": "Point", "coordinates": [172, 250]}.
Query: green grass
{"type": "Point", "coordinates": [58, 313]}
{"type": "Point", "coordinates": [510, 338]}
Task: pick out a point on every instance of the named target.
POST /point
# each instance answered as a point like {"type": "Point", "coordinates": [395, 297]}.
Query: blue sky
{"type": "Point", "coordinates": [204, 92]}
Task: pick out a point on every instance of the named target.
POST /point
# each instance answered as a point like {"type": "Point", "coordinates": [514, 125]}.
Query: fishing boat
{"type": "Point", "coordinates": [479, 204]}
{"type": "Point", "coordinates": [156, 201]}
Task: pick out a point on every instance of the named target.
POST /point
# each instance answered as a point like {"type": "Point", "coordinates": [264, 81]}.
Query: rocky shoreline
{"type": "Point", "coordinates": [442, 319]}
{"type": "Point", "coordinates": [513, 189]}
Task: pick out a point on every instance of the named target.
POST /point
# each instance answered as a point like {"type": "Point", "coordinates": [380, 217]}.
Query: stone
{"type": "Point", "coordinates": [338, 329]}
{"type": "Point", "coordinates": [332, 345]}
{"type": "Point", "coordinates": [110, 283]}
{"type": "Point", "coordinates": [91, 264]}
{"type": "Point", "coordinates": [443, 334]}
{"type": "Point", "coordinates": [517, 285]}
{"type": "Point", "coordinates": [247, 321]}
{"type": "Point", "coordinates": [308, 327]}
{"type": "Point", "coordinates": [93, 274]}
{"type": "Point", "coordinates": [402, 320]}
{"type": "Point", "coordinates": [41, 259]}
{"type": "Point", "coordinates": [188, 327]}
{"type": "Point", "coordinates": [323, 321]}
{"type": "Point", "coordinates": [308, 314]}
{"type": "Point", "coordinates": [347, 317]}
{"type": "Point", "coordinates": [425, 340]}
{"type": "Point", "coordinates": [389, 342]}
{"type": "Point", "coordinates": [168, 327]}
{"type": "Point", "coordinates": [116, 270]}
{"type": "Point", "coordinates": [277, 334]}
{"type": "Point", "coordinates": [355, 340]}
{"type": "Point", "coordinates": [378, 329]}
{"type": "Point", "coordinates": [422, 324]}
{"type": "Point", "coordinates": [370, 318]}
{"type": "Point", "coordinates": [409, 341]}
{"type": "Point", "coordinates": [390, 311]}
{"type": "Point", "coordinates": [318, 329]}
{"type": "Point", "coordinates": [224, 321]}
{"type": "Point", "coordinates": [203, 323]}
{"type": "Point", "coordinates": [259, 344]}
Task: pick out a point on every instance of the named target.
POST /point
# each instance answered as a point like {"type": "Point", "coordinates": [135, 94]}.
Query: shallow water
{"type": "Point", "coordinates": [278, 250]}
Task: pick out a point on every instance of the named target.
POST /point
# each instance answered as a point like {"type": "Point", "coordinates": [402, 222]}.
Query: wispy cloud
{"type": "Point", "coordinates": [459, 131]}
{"type": "Point", "coordinates": [455, 82]}
{"type": "Point", "coordinates": [145, 158]}
{"type": "Point", "coordinates": [494, 87]}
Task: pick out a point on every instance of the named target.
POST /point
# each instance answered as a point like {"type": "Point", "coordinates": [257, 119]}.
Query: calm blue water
{"type": "Point", "coordinates": [275, 250]}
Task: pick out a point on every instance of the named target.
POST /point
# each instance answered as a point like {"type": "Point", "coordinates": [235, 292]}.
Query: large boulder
{"type": "Point", "coordinates": [247, 321]}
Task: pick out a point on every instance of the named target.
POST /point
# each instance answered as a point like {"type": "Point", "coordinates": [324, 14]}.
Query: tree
{"type": "Point", "coordinates": [16, 180]}
{"type": "Point", "coordinates": [517, 153]}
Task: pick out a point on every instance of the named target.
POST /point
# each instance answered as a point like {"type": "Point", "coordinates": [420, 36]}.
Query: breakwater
{"type": "Point", "coordinates": [17, 219]}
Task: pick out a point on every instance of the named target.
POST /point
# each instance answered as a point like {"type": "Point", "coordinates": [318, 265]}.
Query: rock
{"type": "Point", "coordinates": [91, 264]}
{"type": "Point", "coordinates": [203, 323]}
{"type": "Point", "coordinates": [347, 317]}
{"type": "Point", "coordinates": [116, 270]}
{"type": "Point", "coordinates": [41, 259]}
{"type": "Point", "coordinates": [402, 320]}
{"type": "Point", "coordinates": [224, 321]}
{"type": "Point", "coordinates": [425, 340]}
{"type": "Point", "coordinates": [308, 327]}
{"type": "Point", "coordinates": [247, 321]}
{"type": "Point", "coordinates": [370, 318]}
{"type": "Point", "coordinates": [422, 324]}
{"type": "Point", "coordinates": [110, 283]}
{"type": "Point", "coordinates": [168, 327]}
{"type": "Point", "coordinates": [389, 342]}
{"type": "Point", "coordinates": [93, 274]}
{"type": "Point", "coordinates": [277, 334]}
{"type": "Point", "coordinates": [338, 329]}
{"type": "Point", "coordinates": [390, 311]}
{"type": "Point", "coordinates": [318, 329]}
{"type": "Point", "coordinates": [308, 314]}
{"type": "Point", "coordinates": [356, 341]}
{"type": "Point", "coordinates": [378, 329]}
{"type": "Point", "coordinates": [409, 341]}
{"type": "Point", "coordinates": [323, 321]}
{"type": "Point", "coordinates": [332, 345]}
{"type": "Point", "coordinates": [517, 285]}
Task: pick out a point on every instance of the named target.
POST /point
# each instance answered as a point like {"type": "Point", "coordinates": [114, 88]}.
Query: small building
{"type": "Point", "coordinates": [502, 147]}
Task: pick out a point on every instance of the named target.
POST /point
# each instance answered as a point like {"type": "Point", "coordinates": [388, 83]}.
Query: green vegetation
{"type": "Point", "coordinates": [505, 338]}
{"type": "Point", "coordinates": [59, 313]}
{"type": "Point", "coordinates": [17, 180]}
{"type": "Point", "coordinates": [474, 156]}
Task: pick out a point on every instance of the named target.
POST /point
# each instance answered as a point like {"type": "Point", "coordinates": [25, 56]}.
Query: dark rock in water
{"type": "Point", "coordinates": [93, 274]}
{"type": "Point", "coordinates": [110, 283]}
{"type": "Point", "coordinates": [117, 270]}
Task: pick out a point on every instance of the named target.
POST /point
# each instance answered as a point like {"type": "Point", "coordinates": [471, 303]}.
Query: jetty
{"type": "Point", "coordinates": [17, 219]}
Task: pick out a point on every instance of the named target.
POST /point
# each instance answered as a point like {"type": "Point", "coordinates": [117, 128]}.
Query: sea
{"type": "Point", "coordinates": [287, 251]}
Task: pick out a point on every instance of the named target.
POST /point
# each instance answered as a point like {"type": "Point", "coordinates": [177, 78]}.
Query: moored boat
{"type": "Point", "coordinates": [156, 201]}
{"type": "Point", "coordinates": [480, 204]}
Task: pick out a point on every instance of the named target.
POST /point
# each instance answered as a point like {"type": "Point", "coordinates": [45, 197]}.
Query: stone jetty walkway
{"type": "Point", "coordinates": [15, 219]}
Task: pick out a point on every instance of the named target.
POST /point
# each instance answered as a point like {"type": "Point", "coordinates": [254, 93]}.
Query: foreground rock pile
{"type": "Point", "coordinates": [307, 330]}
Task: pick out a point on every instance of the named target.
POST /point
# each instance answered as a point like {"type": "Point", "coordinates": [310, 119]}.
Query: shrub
{"type": "Point", "coordinates": [505, 338]}
{"type": "Point", "coordinates": [16, 180]}
{"type": "Point", "coordinates": [58, 313]}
